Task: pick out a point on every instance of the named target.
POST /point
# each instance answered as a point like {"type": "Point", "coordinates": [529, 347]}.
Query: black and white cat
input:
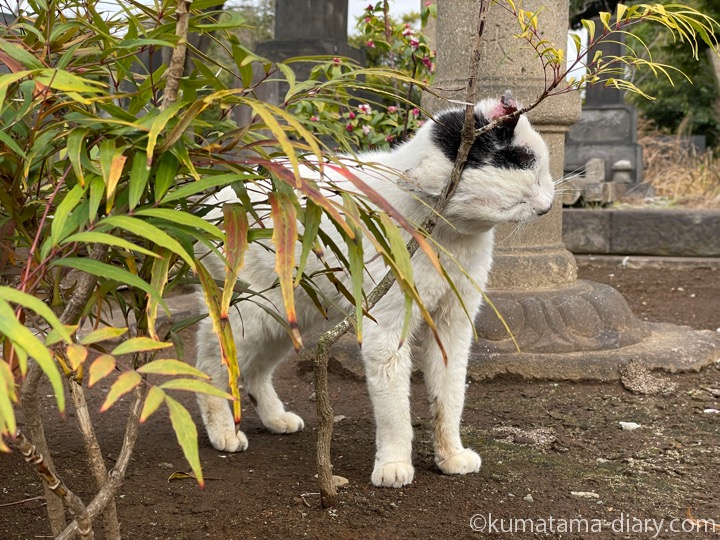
{"type": "Point", "coordinates": [507, 179]}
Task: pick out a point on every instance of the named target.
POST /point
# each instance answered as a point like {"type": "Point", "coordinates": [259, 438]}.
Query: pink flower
{"type": "Point", "coordinates": [368, 19]}
{"type": "Point", "coordinates": [408, 31]}
{"type": "Point", "coordinates": [428, 4]}
{"type": "Point", "coordinates": [390, 138]}
{"type": "Point", "coordinates": [427, 62]}
{"type": "Point", "coordinates": [349, 127]}
{"type": "Point", "coordinates": [392, 109]}
{"type": "Point", "coordinates": [365, 108]}
{"type": "Point", "coordinates": [369, 8]}
{"type": "Point", "coordinates": [314, 119]}
{"type": "Point", "coordinates": [415, 112]}
{"type": "Point", "coordinates": [414, 43]}
{"type": "Point", "coordinates": [337, 61]}
{"type": "Point", "coordinates": [351, 115]}
{"type": "Point", "coordinates": [370, 44]}
{"type": "Point", "coordinates": [366, 130]}
{"type": "Point", "coordinates": [421, 122]}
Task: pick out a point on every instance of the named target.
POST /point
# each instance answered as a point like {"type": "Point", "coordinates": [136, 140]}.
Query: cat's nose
{"type": "Point", "coordinates": [543, 211]}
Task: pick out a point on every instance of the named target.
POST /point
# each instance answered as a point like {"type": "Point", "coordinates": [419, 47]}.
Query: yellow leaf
{"type": "Point", "coordinates": [124, 384]}
{"type": "Point", "coordinates": [101, 367]}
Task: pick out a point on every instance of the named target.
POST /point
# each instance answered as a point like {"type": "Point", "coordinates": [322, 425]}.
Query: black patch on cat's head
{"type": "Point", "coordinates": [492, 148]}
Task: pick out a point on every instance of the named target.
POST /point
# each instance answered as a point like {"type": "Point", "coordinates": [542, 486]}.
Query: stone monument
{"type": "Point", "coordinates": [565, 328]}
{"type": "Point", "coordinates": [602, 146]}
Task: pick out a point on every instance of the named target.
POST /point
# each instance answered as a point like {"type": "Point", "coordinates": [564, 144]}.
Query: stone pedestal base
{"type": "Point", "coordinates": [584, 331]}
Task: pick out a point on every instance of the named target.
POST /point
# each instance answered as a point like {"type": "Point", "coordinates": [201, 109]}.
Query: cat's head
{"type": "Point", "coordinates": [507, 175]}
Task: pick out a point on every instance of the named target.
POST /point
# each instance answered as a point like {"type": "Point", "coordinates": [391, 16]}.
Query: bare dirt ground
{"type": "Point", "coordinates": [541, 443]}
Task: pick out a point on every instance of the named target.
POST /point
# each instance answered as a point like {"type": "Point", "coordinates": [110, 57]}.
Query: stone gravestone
{"type": "Point", "coordinates": [307, 28]}
{"type": "Point", "coordinates": [602, 145]}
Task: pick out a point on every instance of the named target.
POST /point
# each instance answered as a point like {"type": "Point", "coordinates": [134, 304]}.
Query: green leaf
{"type": "Point", "coordinates": [103, 334]}
{"type": "Point", "coordinates": [138, 344]}
{"type": "Point", "coordinates": [23, 56]}
{"type": "Point", "coordinates": [312, 216]}
{"type": "Point", "coordinates": [167, 366]}
{"type": "Point", "coordinates": [107, 271]}
{"type": "Point", "coordinates": [68, 82]}
{"type": "Point", "coordinates": [284, 237]}
{"type": "Point", "coordinates": [159, 273]}
{"type": "Point", "coordinates": [11, 144]}
{"type": "Point", "coordinates": [38, 306]}
{"type": "Point", "coordinates": [67, 205]}
{"type": "Point", "coordinates": [154, 399]}
{"type": "Point", "coordinates": [54, 336]}
{"type": "Point", "coordinates": [186, 434]}
{"type": "Point", "coordinates": [149, 232]}
{"type": "Point", "coordinates": [24, 338]}
{"type": "Point", "coordinates": [195, 385]}
{"type": "Point", "coordinates": [101, 367]}
{"type": "Point", "coordinates": [125, 383]}
{"type": "Point", "coordinates": [165, 174]}
{"type": "Point", "coordinates": [91, 237]}
{"type": "Point", "coordinates": [206, 183]}
{"type": "Point", "coordinates": [97, 190]}
{"type": "Point", "coordinates": [9, 78]}
{"type": "Point", "coordinates": [183, 218]}
{"type": "Point", "coordinates": [139, 174]}
{"type": "Point", "coordinates": [236, 230]}
{"type": "Point", "coordinates": [158, 124]}
{"type": "Point", "coordinates": [75, 147]}
{"type": "Point", "coordinates": [223, 330]}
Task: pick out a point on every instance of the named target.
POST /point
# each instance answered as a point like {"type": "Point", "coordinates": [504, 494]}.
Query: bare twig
{"type": "Point", "coordinates": [55, 484]}
{"type": "Point", "coordinates": [23, 501]}
{"type": "Point", "coordinates": [328, 491]}
{"type": "Point", "coordinates": [177, 61]}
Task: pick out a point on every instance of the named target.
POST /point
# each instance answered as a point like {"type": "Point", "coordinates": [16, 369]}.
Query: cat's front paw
{"type": "Point", "coordinates": [464, 462]}
{"type": "Point", "coordinates": [286, 422]}
{"type": "Point", "coordinates": [395, 474]}
{"type": "Point", "coordinates": [227, 441]}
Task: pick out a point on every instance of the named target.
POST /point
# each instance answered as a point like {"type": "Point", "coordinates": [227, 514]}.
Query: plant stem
{"type": "Point", "coordinates": [177, 61]}
{"type": "Point", "coordinates": [328, 491]}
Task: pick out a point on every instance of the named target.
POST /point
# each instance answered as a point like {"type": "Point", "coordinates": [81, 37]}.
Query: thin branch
{"type": "Point", "coordinates": [55, 484]}
{"type": "Point", "coordinates": [328, 491]}
{"type": "Point", "coordinates": [95, 457]}
{"type": "Point", "coordinates": [116, 476]}
{"type": "Point", "coordinates": [33, 423]}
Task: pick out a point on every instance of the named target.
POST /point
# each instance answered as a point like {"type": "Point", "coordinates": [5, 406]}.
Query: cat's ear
{"type": "Point", "coordinates": [507, 104]}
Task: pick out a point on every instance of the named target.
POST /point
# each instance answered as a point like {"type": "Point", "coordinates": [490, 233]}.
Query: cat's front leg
{"type": "Point", "coordinates": [446, 389]}
{"type": "Point", "coordinates": [388, 376]}
{"type": "Point", "coordinates": [215, 411]}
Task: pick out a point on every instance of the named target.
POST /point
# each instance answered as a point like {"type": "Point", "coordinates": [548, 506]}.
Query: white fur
{"type": "Point", "coordinates": [485, 197]}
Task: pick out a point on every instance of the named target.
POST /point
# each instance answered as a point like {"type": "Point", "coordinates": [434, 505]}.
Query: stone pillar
{"type": "Point", "coordinates": [565, 328]}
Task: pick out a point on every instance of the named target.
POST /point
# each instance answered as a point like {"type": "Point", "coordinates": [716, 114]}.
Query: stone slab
{"type": "Point", "coordinates": [577, 155]}
{"type": "Point", "coordinates": [616, 124]}
{"type": "Point", "coordinates": [663, 232]}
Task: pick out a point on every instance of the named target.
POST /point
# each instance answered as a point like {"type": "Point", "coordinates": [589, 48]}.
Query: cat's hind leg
{"type": "Point", "coordinates": [445, 386]}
